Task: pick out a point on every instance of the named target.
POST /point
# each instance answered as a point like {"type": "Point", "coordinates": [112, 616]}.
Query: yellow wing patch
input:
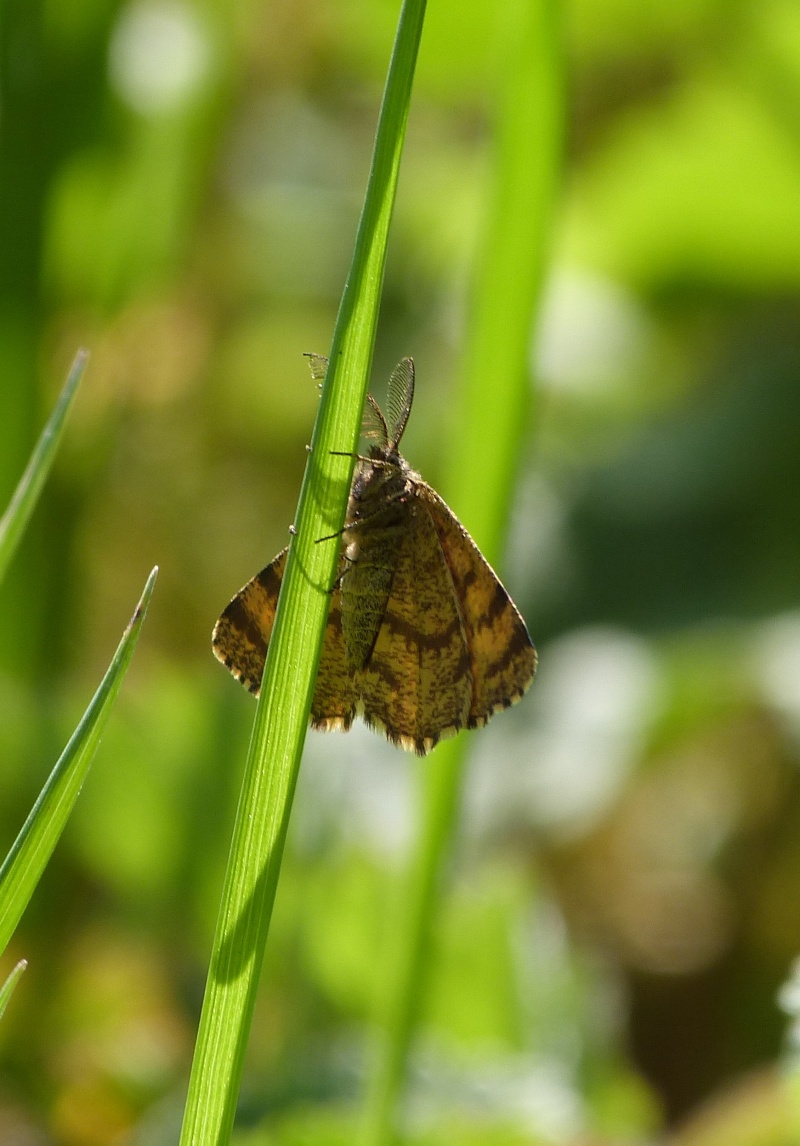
{"type": "Point", "coordinates": [416, 687]}
{"type": "Point", "coordinates": [502, 656]}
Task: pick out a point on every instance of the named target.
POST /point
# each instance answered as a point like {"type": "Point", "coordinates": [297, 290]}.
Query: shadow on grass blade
{"type": "Point", "coordinates": [33, 846]}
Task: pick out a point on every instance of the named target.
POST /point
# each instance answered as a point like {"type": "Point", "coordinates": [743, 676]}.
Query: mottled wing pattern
{"type": "Point", "coordinates": [416, 686]}
{"type": "Point", "coordinates": [451, 648]}
{"type": "Point", "coordinates": [242, 633]}
{"type": "Point", "coordinates": [502, 655]}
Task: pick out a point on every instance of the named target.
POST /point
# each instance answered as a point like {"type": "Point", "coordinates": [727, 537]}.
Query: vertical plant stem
{"type": "Point", "coordinates": [287, 687]}
{"type": "Point", "coordinates": [490, 425]}
{"type": "Point", "coordinates": [492, 417]}
{"type": "Point", "coordinates": [412, 946]}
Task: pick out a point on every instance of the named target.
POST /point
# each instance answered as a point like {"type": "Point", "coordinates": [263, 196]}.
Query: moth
{"type": "Point", "coordinates": [422, 639]}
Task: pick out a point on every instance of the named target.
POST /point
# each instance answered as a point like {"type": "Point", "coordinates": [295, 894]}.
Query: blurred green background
{"type": "Point", "coordinates": [179, 189]}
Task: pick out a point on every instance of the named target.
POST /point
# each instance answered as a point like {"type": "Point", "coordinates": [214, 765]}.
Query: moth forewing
{"type": "Point", "coordinates": [502, 655]}
{"type": "Point", "coordinates": [242, 633]}
{"type": "Point", "coordinates": [415, 685]}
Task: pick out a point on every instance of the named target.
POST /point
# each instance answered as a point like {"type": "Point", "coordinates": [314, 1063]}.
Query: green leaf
{"type": "Point", "coordinates": [287, 688]}
{"type": "Point", "coordinates": [7, 990]}
{"type": "Point", "coordinates": [492, 412]}
{"type": "Point", "coordinates": [490, 424]}
{"type": "Point", "coordinates": [33, 846]}
{"type": "Point", "coordinates": [23, 502]}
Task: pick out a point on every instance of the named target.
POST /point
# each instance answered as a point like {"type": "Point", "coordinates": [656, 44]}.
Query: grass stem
{"type": "Point", "coordinates": [491, 423]}
{"type": "Point", "coordinates": [279, 730]}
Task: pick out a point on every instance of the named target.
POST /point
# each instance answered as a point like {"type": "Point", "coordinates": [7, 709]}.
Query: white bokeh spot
{"type": "Point", "coordinates": [159, 55]}
{"type": "Point", "coordinates": [592, 335]}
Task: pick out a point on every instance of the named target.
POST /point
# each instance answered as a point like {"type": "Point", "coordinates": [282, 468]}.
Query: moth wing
{"type": "Point", "coordinates": [416, 685]}
{"type": "Point", "coordinates": [241, 637]}
{"type": "Point", "coordinates": [334, 702]}
{"type": "Point", "coordinates": [502, 655]}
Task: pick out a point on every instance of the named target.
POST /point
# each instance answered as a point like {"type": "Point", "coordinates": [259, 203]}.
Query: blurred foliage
{"type": "Point", "coordinates": [179, 188]}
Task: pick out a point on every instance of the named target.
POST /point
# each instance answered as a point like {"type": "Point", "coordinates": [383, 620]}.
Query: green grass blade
{"type": "Point", "coordinates": [23, 502]}
{"type": "Point", "coordinates": [282, 714]}
{"type": "Point", "coordinates": [490, 424]}
{"type": "Point", "coordinates": [7, 990]}
{"type": "Point", "coordinates": [492, 416]}
{"type": "Point", "coordinates": [412, 943]}
{"type": "Point", "coordinates": [33, 846]}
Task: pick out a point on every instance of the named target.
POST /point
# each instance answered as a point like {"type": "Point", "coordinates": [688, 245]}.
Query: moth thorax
{"type": "Point", "coordinates": [376, 488]}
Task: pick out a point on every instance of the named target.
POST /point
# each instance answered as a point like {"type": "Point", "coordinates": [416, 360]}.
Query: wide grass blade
{"type": "Point", "coordinates": [287, 687]}
{"type": "Point", "coordinates": [33, 846]}
{"type": "Point", "coordinates": [491, 421]}
{"type": "Point", "coordinates": [23, 502]}
{"type": "Point", "coordinates": [492, 417]}
{"type": "Point", "coordinates": [7, 990]}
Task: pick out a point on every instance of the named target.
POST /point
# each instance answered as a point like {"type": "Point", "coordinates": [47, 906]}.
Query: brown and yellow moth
{"type": "Point", "coordinates": [422, 639]}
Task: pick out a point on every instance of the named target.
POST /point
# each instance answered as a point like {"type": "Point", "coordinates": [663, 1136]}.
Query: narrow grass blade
{"type": "Point", "coordinates": [23, 502]}
{"type": "Point", "coordinates": [492, 416]}
{"type": "Point", "coordinates": [33, 846]}
{"type": "Point", "coordinates": [287, 687]}
{"type": "Point", "coordinates": [412, 943]}
{"type": "Point", "coordinates": [7, 990]}
{"type": "Point", "coordinates": [490, 423]}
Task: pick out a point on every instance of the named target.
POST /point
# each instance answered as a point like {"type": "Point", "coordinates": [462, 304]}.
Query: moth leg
{"type": "Point", "coordinates": [379, 463]}
{"type": "Point", "coordinates": [330, 536]}
{"type": "Point", "coordinates": [348, 525]}
{"type": "Point", "coordinates": [338, 582]}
